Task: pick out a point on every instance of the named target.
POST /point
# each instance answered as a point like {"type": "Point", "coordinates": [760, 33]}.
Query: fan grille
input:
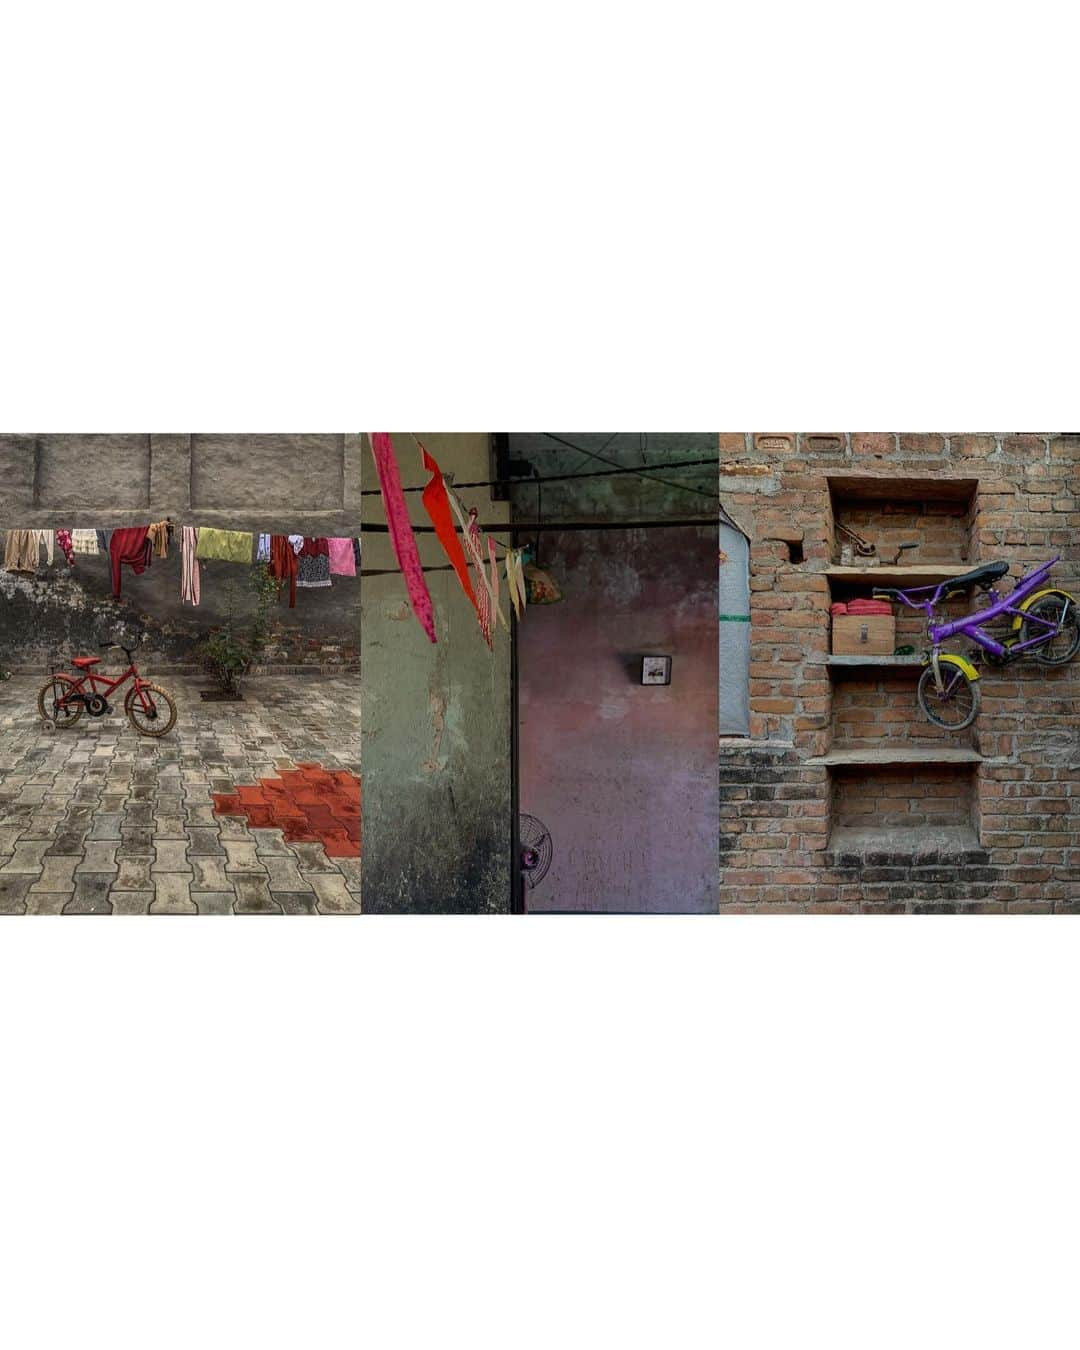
{"type": "Point", "coordinates": [535, 849]}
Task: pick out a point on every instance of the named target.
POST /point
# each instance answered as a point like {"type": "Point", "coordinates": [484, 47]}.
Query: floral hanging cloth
{"type": "Point", "coordinates": [314, 563]}
{"type": "Point", "coordinates": [401, 531]}
{"type": "Point", "coordinates": [63, 540]}
{"type": "Point", "coordinates": [492, 582]}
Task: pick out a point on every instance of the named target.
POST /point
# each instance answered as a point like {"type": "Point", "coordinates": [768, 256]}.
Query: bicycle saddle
{"type": "Point", "coordinates": [85, 662]}
{"type": "Point", "coordinates": [985, 575]}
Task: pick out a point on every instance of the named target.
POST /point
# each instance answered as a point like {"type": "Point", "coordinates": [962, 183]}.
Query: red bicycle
{"type": "Point", "coordinates": [150, 710]}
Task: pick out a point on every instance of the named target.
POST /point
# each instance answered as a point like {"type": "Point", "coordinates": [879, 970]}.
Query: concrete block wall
{"type": "Point", "coordinates": [778, 812]}
{"type": "Point", "coordinates": [305, 483]}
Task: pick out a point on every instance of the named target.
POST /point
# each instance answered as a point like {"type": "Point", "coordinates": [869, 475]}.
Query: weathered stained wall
{"type": "Point", "coordinates": [623, 775]}
{"type": "Point", "coordinates": [436, 736]}
{"type": "Point", "coordinates": [66, 610]}
{"type": "Point", "coordinates": [653, 492]}
{"type": "Point", "coordinates": [1022, 793]}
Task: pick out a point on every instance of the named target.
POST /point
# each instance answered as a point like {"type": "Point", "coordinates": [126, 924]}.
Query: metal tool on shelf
{"type": "Point", "coordinates": [866, 552]}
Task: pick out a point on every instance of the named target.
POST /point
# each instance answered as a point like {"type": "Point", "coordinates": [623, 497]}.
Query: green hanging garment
{"type": "Point", "coordinates": [227, 545]}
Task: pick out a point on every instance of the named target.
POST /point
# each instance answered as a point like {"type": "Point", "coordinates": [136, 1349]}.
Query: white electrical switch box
{"type": "Point", "coordinates": [656, 670]}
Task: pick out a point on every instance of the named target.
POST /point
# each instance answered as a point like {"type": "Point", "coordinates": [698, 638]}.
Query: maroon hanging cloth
{"type": "Point", "coordinates": [129, 548]}
{"type": "Point", "coordinates": [401, 531]}
{"type": "Point", "coordinates": [284, 564]}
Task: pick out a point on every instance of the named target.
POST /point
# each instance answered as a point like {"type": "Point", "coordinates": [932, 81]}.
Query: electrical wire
{"type": "Point", "coordinates": [669, 482]}
{"type": "Point", "coordinates": [559, 477]}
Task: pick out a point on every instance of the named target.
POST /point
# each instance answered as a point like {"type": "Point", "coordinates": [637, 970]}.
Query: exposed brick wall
{"type": "Point", "coordinates": [1022, 800]}
{"type": "Point", "coordinates": [942, 529]}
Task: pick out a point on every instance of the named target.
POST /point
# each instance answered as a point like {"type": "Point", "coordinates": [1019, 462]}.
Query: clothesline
{"type": "Point", "coordinates": [561, 526]}
{"type": "Point", "coordinates": [302, 561]}
{"type": "Point", "coordinates": [560, 477]}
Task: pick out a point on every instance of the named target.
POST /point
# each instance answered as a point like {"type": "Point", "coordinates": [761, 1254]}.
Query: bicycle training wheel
{"type": "Point", "coordinates": [954, 706]}
{"type": "Point", "coordinates": [1063, 645]}
{"type": "Point", "coordinates": [156, 719]}
{"type": "Point", "coordinates": [48, 702]}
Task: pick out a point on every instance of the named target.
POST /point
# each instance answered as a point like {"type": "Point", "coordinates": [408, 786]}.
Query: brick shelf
{"type": "Point", "coordinates": [918, 574]}
{"type": "Point", "coordinates": [850, 661]}
{"type": "Point", "coordinates": [852, 845]}
{"type": "Point", "coordinates": [898, 754]}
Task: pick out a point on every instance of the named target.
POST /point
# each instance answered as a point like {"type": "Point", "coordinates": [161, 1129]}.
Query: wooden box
{"type": "Point", "coordinates": [863, 634]}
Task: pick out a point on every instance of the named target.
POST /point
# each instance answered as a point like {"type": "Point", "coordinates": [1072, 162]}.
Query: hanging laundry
{"type": "Point", "coordinates": [495, 580]}
{"type": "Point", "coordinates": [515, 581]}
{"type": "Point", "coordinates": [356, 553]}
{"type": "Point", "coordinates": [508, 563]}
{"type": "Point", "coordinates": [44, 537]}
{"type": "Point", "coordinates": [437, 505]}
{"type": "Point", "coordinates": [104, 539]}
{"type": "Point", "coordinates": [189, 565]}
{"type": "Point", "coordinates": [85, 541]}
{"type": "Point", "coordinates": [314, 560]}
{"type": "Point", "coordinates": [284, 563]}
{"type": "Point", "coordinates": [225, 545]}
{"type": "Point", "coordinates": [493, 583]}
{"type": "Point", "coordinates": [297, 542]}
{"type": "Point", "coordinates": [482, 593]}
{"type": "Point", "coordinates": [63, 539]}
{"type": "Point", "coordinates": [262, 548]}
{"type": "Point", "coordinates": [342, 562]}
{"type": "Point", "coordinates": [21, 551]}
{"type": "Point", "coordinates": [129, 548]}
{"type": "Point", "coordinates": [159, 537]}
{"type": "Point", "coordinates": [401, 532]}
{"type": "Point", "coordinates": [519, 574]}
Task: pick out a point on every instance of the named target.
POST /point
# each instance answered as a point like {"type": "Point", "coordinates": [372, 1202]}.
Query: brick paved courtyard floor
{"type": "Point", "coordinates": [100, 820]}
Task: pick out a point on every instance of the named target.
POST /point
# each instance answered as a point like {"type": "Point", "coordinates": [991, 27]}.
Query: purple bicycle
{"type": "Point", "coordinates": [1044, 626]}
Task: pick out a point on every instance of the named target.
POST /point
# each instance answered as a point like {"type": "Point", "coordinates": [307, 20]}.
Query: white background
{"type": "Point", "coordinates": [572, 1133]}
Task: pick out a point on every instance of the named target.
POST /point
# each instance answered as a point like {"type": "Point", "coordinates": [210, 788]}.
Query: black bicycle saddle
{"type": "Point", "coordinates": [985, 575]}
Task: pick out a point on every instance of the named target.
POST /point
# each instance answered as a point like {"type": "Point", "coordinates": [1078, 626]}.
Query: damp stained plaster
{"type": "Point", "coordinates": [628, 496]}
{"type": "Point", "coordinates": [436, 734]}
{"type": "Point", "coordinates": [624, 775]}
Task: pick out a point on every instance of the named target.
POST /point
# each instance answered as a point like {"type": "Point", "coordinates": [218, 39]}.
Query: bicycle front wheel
{"type": "Point", "coordinates": [955, 705]}
{"type": "Point", "coordinates": [159, 714]}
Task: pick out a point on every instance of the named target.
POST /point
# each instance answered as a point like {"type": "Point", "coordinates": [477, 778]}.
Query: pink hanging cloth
{"type": "Point", "coordinates": [342, 562]}
{"type": "Point", "coordinates": [401, 531]}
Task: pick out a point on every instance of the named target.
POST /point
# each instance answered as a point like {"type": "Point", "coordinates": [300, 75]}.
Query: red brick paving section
{"type": "Point", "coordinates": [310, 804]}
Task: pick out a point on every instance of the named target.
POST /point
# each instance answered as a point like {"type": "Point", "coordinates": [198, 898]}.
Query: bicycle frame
{"type": "Point", "coordinates": [79, 694]}
{"type": "Point", "coordinates": [971, 625]}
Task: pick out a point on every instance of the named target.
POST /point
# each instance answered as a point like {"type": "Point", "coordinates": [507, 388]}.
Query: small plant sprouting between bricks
{"type": "Point", "coordinates": [229, 654]}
